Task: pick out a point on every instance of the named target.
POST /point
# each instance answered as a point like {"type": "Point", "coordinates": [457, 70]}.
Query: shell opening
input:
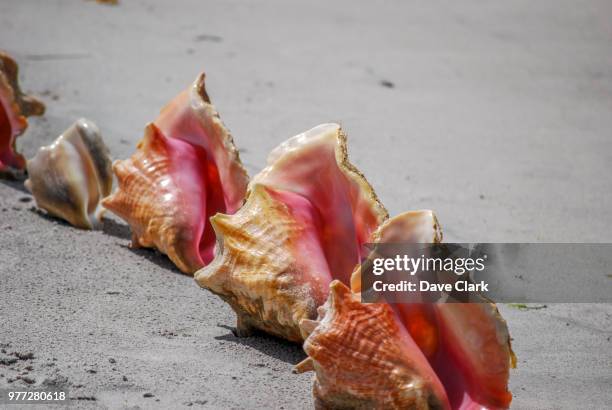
{"type": "Point", "coordinates": [6, 132]}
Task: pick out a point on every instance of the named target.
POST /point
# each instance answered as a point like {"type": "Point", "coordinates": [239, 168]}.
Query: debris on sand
{"type": "Point", "coordinates": [26, 379]}
{"type": "Point", "coordinates": [84, 398]}
{"type": "Point", "coordinates": [108, 2]}
{"type": "Point", "coordinates": [23, 356]}
{"type": "Point", "coordinates": [7, 360]}
{"type": "Point", "coordinates": [522, 306]}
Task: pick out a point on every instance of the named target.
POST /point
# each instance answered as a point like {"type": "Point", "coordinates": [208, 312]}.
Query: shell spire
{"type": "Point", "coordinates": [185, 170]}
{"type": "Point", "coordinates": [306, 218]}
{"type": "Point", "coordinates": [15, 107]}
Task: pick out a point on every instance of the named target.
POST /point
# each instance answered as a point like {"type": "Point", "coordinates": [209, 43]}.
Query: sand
{"type": "Point", "coordinates": [497, 116]}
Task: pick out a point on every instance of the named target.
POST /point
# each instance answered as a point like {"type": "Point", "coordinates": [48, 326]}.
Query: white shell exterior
{"type": "Point", "coordinates": [70, 177]}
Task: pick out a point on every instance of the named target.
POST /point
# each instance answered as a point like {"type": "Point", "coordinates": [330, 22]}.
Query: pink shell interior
{"type": "Point", "coordinates": [205, 174]}
{"type": "Point", "coordinates": [182, 120]}
{"type": "Point", "coordinates": [196, 179]}
{"type": "Point", "coordinates": [336, 207]}
{"type": "Point", "coordinates": [11, 126]}
{"type": "Point", "coordinates": [207, 177]}
{"type": "Point", "coordinates": [467, 344]}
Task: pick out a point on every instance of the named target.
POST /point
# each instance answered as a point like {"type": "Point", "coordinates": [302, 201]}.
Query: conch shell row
{"type": "Point", "coordinates": [300, 233]}
{"type": "Point", "coordinates": [69, 177]}
{"type": "Point", "coordinates": [282, 251]}
{"type": "Point", "coordinates": [276, 256]}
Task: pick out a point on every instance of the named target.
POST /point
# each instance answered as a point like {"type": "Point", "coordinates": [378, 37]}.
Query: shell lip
{"type": "Point", "coordinates": [321, 131]}
{"type": "Point", "coordinates": [330, 133]}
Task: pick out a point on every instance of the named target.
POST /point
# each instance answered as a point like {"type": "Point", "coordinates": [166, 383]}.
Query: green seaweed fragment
{"type": "Point", "coordinates": [522, 306]}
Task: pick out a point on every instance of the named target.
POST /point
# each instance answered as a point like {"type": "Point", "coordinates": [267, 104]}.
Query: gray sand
{"type": "Point", "coordinates": [497, 116]}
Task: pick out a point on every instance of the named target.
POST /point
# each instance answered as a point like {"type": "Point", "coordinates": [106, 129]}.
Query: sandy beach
{"type": "Point", "coordinates": [494, 115]}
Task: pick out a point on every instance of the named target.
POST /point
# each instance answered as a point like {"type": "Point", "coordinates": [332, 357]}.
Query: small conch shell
{"type": "Point", "coordinates": [185, 169]}
{"type": "Point", "coordinates": [14, 108]}
{"type": "Point", "coordinates": [70, 177]}
{"type": "Point", "coordinates": [466, 345]}
{"type": "Point", "coordinates": [306, 218]}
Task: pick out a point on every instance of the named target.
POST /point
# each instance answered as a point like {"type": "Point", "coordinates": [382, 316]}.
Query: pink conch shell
{"type": "Point", "coordinates": [304, 223]}
{"type": "Point", "coordinates": [14, 108]}
{"type": "Point", "coordinates": [467, 346]}
{"type": "Point", "coordinates": [69, 177]}
{"type": "Point", "coordinates": [185, 170]}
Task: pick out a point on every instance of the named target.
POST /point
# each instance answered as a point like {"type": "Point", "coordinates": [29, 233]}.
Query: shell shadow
{"type": "Point", "coordinates": [279, 349]}
{"type": "Point", "coordinates": [122, 231]}
{"type": "Point", "coordinates": [118, 230]}
{"type": "Point", "coordinates": [109, 226]}
{"type": "Point", "coordinates": [16, 184]}
{"type": "Point", "coordinates": [50, 218]}
{"type": "Point", "coordinates": [154, 256]}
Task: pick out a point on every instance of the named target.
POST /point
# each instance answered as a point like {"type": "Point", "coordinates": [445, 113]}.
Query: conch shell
{"type": "Point", "coordinates": [14, 108]}
{"type": "Point", "coordinates": [69, 177]}
{"type": "Point", "coordinates": [306, 218]}
{"type": "Point", "coordinates": [448, 356]}
{"type": "Point", "coordinates": [365, 359]}
{"type": "Point", "coordinates": [185, 169]}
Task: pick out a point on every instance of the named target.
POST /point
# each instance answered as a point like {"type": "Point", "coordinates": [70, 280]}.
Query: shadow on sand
{"type": "Point", "coordinates": [118, 230]}
{"type": "Point", "coordinates": [122, 231]}
{"type": "Point", "coordinates": [271, 346]}
{"type": "Point", "coordinates": [42, 214]}
{"type": "Point", "coordinates": [156, 257]}
{"type": "Point", "coordinates": [16, 184]}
